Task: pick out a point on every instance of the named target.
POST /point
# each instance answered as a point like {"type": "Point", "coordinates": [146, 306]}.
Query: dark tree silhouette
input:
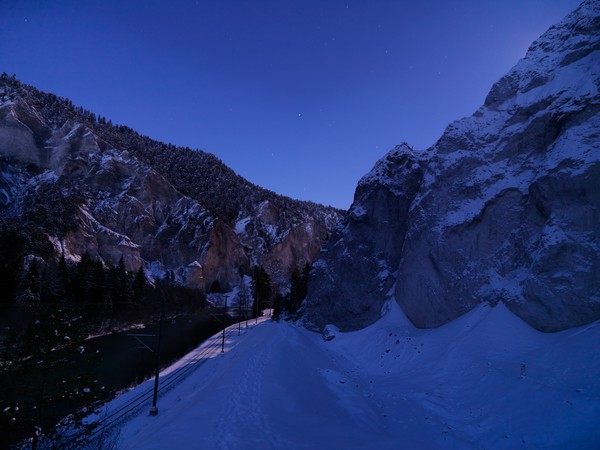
{"type": "Point", "coordinates": [12, 246]}
{"type": "Point", "coordinates": [261, 290]}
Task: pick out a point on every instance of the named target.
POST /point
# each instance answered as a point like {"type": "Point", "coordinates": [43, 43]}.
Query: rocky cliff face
{"type": "Point", "coordinates": [504, 207]}
{"type": "Point", "coordinates": [81, 185]}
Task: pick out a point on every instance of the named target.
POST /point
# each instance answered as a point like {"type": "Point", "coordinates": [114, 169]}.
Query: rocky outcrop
{"type": "Point", "coordinates": [505, 207]}
{"type": "Point", "coordinates": [224, 258]}
{"type": "Point", "coordinates": [356, 268]}
{"type": "Point", "coordinates": [86, 187]}
{"type": "Point", "coordinates": [299, 247]}
{"type": "Point", "coordinates": [282, 246]}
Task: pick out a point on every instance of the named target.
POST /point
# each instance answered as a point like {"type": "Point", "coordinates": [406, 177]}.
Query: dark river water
{"type": "Point", "coordinates": [107, 364]}
{"type": "Point", "coordinates": [124, 361]}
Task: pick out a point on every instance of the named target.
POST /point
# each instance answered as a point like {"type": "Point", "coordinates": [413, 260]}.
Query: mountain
{"type": "Point", "coordinates": [505, 207]}
{"type": "Point", "coordinates": [73, 183]}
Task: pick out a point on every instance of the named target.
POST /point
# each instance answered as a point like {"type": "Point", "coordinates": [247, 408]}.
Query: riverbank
{"type": "Point", "coordinates": [42, 393]}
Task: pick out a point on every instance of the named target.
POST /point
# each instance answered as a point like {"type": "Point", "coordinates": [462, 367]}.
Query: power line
{"type": "Point", "coordinates": [135, 404]}
{"type": "Point", "coordinates": [171, 380]}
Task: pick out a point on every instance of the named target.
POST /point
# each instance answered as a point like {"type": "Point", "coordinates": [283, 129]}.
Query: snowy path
{"type": "Point", "coordinates": [388, 386]}
{"type": "Point", "coordinates": [262, 394]}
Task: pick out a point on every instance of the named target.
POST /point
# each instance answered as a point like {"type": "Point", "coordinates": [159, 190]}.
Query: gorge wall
{"type": "Point", "coordinates": [505, 207]}
{"type": "Point", "coordinates": [76, 184]}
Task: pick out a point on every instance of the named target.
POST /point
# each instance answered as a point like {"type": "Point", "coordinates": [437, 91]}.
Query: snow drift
{"type": "Point", "coordinates": [486, 380]}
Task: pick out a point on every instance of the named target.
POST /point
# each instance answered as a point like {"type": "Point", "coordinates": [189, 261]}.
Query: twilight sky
{"type": "Point", "coordinates": [300, 97]}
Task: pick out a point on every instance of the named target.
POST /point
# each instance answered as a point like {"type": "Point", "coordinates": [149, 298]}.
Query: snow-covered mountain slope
{"type": "Point", "coordinates": [486, 380]}
{"type": "Point", "coordinates": [76, 183]}
{"type": "Point", "coordinates": [505, 207]}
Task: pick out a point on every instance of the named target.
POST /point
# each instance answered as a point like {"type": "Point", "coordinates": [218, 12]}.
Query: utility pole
{"type": "Point", "coordinates": [241, 304]}
{"type": "Point", "coordinates": [256, 315]}
{"type": "Point", "coordinates": [154, 409]}
{"type": "Point", "coordinates": [246, 308]}
{"type": "Point", "coordinates": [224, 325]}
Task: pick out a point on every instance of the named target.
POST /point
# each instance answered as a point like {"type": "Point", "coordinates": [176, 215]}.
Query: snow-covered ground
{"type": "Point", "coordinates": [486, 380]}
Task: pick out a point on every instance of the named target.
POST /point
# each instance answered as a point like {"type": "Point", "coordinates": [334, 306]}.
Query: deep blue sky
{"type": "Point", "coordinates": [301, 97]}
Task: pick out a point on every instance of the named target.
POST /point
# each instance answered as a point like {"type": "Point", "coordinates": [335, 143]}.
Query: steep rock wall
{"type": "Point", "coordinates": [507, 208]}
{"type": "Point", "coordinates": [83, 195]}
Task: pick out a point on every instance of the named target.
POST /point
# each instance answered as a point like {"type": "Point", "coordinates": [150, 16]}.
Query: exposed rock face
{"type": "Point", "coordinates": [504, 207]}
{"type": "Point", "coordinates": [300, 246]}
{"type": "Point", "coordinates": [283, 245]}
{"type": "Point", "coordinates": [224, 258]}
{"type": "Point", "coordinates": [61, 176]}
{"type": "Point", "coordinates": [355, 271]}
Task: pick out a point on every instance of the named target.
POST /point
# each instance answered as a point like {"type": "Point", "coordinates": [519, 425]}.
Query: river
{"type": "Point", "coordinates": [107, 364]}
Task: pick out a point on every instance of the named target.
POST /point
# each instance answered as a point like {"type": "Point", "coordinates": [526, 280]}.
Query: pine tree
{"type": "Point", "coordinates": [98, 280]}
{"type": "Point", "coordinates": [12, 246]}
{"type": "Point", "coordinates": [139, 282]}
{"type": "Point", "coordinates": [277, 306]}
{"type": "Point", "coordinates": [82, 279]}
{"type": "Point", "coordinates": [119, 286]}
{"type": "Point", "coordinates": [64, 283]}
{"type": "Point", "coordinates": [298, 290]}
{"type": "Point", "coordinates": [30, 286]}
{"type": "Point", "coordinates": [50, 282]}
{"type": "Point", "coordinates": [261, 290]}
